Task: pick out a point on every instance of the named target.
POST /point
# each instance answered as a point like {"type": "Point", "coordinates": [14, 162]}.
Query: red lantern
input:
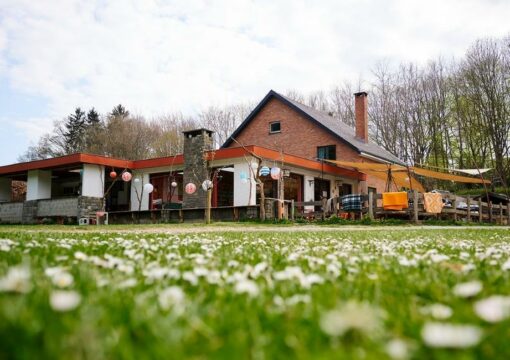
{"type": "Point", "coordinates": [113, 174]}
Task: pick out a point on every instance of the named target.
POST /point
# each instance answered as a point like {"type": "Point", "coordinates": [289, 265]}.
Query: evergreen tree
{"type": "Point", "coordinates": [119, 111]}
{"type": "Point", "coordinates": [74, 129]}
{"type": "Point", "coordinates": [93, 117]}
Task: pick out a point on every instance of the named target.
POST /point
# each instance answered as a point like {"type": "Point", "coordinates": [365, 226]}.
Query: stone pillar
{"type": "Point", "coordinates": [245, 191]}
{"type": "Point", "coordinates": [88, 206]}
{"type": "Point", "coordinates": [137, 186]}
{"type": "Point", "coordinates": [5, 190]}
{"type": "Point", "coordinates": [309, 191]}
{"type": "Point", "coordinates": [39, 185]}
{"type": "Point", "coordinates": [92, 181]}
{"type": "Point", "coordinates": [196, 143]}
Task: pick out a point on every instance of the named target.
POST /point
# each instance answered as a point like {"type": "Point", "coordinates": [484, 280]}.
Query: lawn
{"type": "Point", "coordinates": [376, 294]}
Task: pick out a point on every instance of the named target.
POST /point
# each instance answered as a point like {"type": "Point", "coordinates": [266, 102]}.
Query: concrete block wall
{"type": "Point", "coordinates": [58, 207]}
{"type": "Point", "coordinates": [11, 212]}
{"type": "Point", "coordinates": [29, 214]}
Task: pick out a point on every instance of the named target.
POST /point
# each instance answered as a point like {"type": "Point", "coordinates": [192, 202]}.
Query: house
{"type": "Point", "coordinates": [283, 124]}
{"type": "Point", "coordinates": [283, 133]}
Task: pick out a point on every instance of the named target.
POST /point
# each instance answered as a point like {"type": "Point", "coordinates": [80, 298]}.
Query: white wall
{"type": "Point", "coordinates": [138, 186]}
{"type": "Point", "coordinates": [38, 184]}
{"type": "Point", "coordinates": [5, 189]}
{"type": "Point", "coordinates": [92, 181]}
{"type": "Point", "coordinates": [243, 196]}
{"type": "Point", "coordinates": [309, 191]}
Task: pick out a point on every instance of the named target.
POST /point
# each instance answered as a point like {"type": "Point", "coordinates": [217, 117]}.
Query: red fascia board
{"type": "Point", "coordinates": [67, 160]}
{"type": "Point", "coordinates": [307, 164]}
{"type": "Point", "coordinates": [40, 164]}
{"type": "Point", "coordinates": [107, 161]}
{"type": "Point", "coordinates": [226, 153]}
{"type": "Point", "coordinates": [158, 162]}
{"type": "Point", "coordinates": [219, 154]}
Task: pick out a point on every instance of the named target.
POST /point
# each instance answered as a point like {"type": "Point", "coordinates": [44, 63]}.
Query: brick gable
{"type": "Point", "coordinates": [298, 136]}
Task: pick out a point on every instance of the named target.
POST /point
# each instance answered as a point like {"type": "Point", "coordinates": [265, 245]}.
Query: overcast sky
{"type": "Point", "coordinates": [157, 57]}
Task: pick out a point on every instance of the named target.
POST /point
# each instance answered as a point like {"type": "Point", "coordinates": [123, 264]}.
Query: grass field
{"type": "Point", "coordinates": [376, 294]}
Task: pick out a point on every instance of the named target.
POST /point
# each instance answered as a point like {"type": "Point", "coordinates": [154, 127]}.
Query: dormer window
{"type": "Point", "coordinates": [274, 127]}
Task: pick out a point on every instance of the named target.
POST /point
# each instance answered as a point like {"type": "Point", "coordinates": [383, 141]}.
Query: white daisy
{"type": "Point", "coordinates": [493, 309]}
{"type": "Point", "coordinates": [467, 289]}
{"type": "Point", "coordinates": [62, 300]}
{"type": "Point", "coordinates": [443, 335]}
{"type": "Point", "coordinates": [16, 280]}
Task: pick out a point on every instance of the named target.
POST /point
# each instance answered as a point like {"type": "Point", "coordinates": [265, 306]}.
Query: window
{"type": "Point", "coordinates": [326, 152]}
{"type": "Point", "coordinates": [274, 127]}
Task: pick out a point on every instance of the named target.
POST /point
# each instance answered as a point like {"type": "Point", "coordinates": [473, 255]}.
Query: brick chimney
{"type": "Point", "coordinates": [361, 115]}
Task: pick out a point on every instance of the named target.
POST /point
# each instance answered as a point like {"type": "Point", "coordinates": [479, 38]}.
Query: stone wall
{"type": "Point", "coordinates": [88, 206]}
{"type": "Point", "coordinates": [11, 212]}
{"type": "Point", "coordinates": [58, 207]}
{"type": "Point", "coordinates": [195, 166]}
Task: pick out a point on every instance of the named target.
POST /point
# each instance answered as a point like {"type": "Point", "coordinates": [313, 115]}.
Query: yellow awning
{"type": "Point", "coordinates": [445, 176]}
{"type": "Point", "coordinates": [400, 173]}
{"type": "Point", "coordinates": [368, 166]}
{"type": "Point", "coordinates": [401, 179]}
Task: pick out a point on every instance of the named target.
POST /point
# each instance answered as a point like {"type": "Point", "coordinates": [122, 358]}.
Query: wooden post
{"type": "Point", "coordinates": [468, 202]}
{"type": "Point", "coordinates": [292, 210]}
{"type": "Point", "coordinates": [500, 214]}
{"type": "Point", "coordinates": [208, 207]}
{"type": "Point", "coordinates": [480, 210]}
{"type": "Point", "coordinates": [415, 206]}
{"type": "Point", "coordinates": [371, 205]}
{"type": "Point", "coordinates": [490, 210]}
{"type": "Point", "coordinates": [181, 216]}
{"type": "Point", "coordinates": [454, 206]}
{"type": "Point", "coordinates": [324, 203]}
{"type": "Point", "coordinates": [508, 212]}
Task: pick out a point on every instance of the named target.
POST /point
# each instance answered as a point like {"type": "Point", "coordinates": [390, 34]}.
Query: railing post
{"type": "Point", "coordinates": [468, 203]}
{"type": "Point", "coordinates": [454, 206]}
{"type": "Point", "coordinates": [371, 205]}
{"type": "Point", "coordinates": [480, 210]}
{"type": "Point", "coordinates": [292, 210]}
{"type": "Point", "coordinates": [415, 206]}
{"type": "Point", "coordinates": [501, 214]}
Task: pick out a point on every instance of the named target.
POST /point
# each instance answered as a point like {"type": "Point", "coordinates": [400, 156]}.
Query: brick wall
{"type": "Point", "coordinates": [299, 136]}
{"type": "Point", "coordinates": [11, 212]}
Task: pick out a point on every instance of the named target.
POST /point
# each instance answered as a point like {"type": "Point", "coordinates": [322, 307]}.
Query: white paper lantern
{"type": "Point", "coordinates": [126, 176]}
{"type": "Point", "coordinates": [148, 188]}
{"type": "Point", "coordinates": [275, 173]}
{"type": "Point", "coordinates": [174, 184]}
{"type": "Point", "coordinates": [136, 180]}
{"type": "Point", "coordinates": [264, 171]}
{"type": "Point", "coordinates": [207, 184]}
